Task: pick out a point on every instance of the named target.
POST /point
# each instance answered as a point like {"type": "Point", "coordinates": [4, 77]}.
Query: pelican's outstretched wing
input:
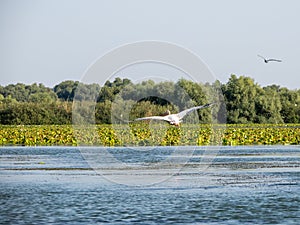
{"type": "Point", "coordinates": [188, 111]}
{"type": "Point", "coordinates": [165, 118]}
{"type": "Point", "coordinates": [261, 57]}
{"type": "Point", "coordinates": [275, 60]}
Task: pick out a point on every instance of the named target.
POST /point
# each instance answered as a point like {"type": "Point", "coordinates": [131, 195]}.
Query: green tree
{"type": "Point", "coordinates": [46, 97]}
{"type": "Point", "coordinates": [103, 112]}
{"type": "Point", "coordinates": [18, 91]}
{"type": "Point", "coordinates": [66, 90]}
{"type": "Point", "coordinates": [240, 94]}
{"type": "Point", "coordinates": [290, 101]}
{"type": "Point", "coordinates": [111, 89]}
{"type": "Point", "coordinates": [268, 105]}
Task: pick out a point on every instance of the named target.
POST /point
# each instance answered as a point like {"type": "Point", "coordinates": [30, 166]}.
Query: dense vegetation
{"type": "Point", "coordinates": [143, 135]}
{"type": "Point", "coordinates": [245, 101]}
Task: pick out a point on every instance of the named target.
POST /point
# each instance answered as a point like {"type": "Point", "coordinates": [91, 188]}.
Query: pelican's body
{"type": "Point", "coordinates": [174, 119]}
{"type": "Point", "coordinates": [269, 60]}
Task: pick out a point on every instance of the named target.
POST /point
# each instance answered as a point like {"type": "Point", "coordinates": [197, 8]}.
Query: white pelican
{"type": "Point", "coordinates": [174, 119]}
{"type": "Point", "coordinates": [269, 60]}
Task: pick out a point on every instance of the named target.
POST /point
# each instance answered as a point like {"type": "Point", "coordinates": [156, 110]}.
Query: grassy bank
{"type": "Point", "coordinates": [153, 134]}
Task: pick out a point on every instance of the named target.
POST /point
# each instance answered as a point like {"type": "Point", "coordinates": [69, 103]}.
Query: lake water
{"type": "Point", "coordinates": [154, 185]}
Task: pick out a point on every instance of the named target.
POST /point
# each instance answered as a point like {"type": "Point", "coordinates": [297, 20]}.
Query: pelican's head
{"type": "Point", "coordinates": [166, 113]}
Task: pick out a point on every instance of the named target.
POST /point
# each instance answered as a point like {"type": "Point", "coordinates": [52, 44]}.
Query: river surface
{"type": "Point", "coordinates": [153, 185]}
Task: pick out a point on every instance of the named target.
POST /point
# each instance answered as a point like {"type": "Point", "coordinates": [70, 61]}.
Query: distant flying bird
{"type": "Point", "coordinates": [174, 119]}
{"type": "Point", "coordinates": [269, 60]}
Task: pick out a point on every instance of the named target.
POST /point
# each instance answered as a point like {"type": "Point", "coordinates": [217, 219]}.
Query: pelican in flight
{"type": "Point", "coordinates": [269, 60]}
{"type": "Point", "coordinates": [174, 119]}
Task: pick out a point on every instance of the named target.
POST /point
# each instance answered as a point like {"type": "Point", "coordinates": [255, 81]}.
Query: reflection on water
{"type": "Point", "coordinates": [242, 185]}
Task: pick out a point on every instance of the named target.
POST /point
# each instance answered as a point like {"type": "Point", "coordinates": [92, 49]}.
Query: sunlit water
{"type": "Point", "coordinates": [162, 185]}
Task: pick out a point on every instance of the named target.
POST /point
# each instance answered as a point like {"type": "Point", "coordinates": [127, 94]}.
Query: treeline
{"type": "Point", "coordinates": [242, 101]}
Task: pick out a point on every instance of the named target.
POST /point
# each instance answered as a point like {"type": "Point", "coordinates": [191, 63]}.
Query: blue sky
{"type": "Point", "coordinates": [48, 41]}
